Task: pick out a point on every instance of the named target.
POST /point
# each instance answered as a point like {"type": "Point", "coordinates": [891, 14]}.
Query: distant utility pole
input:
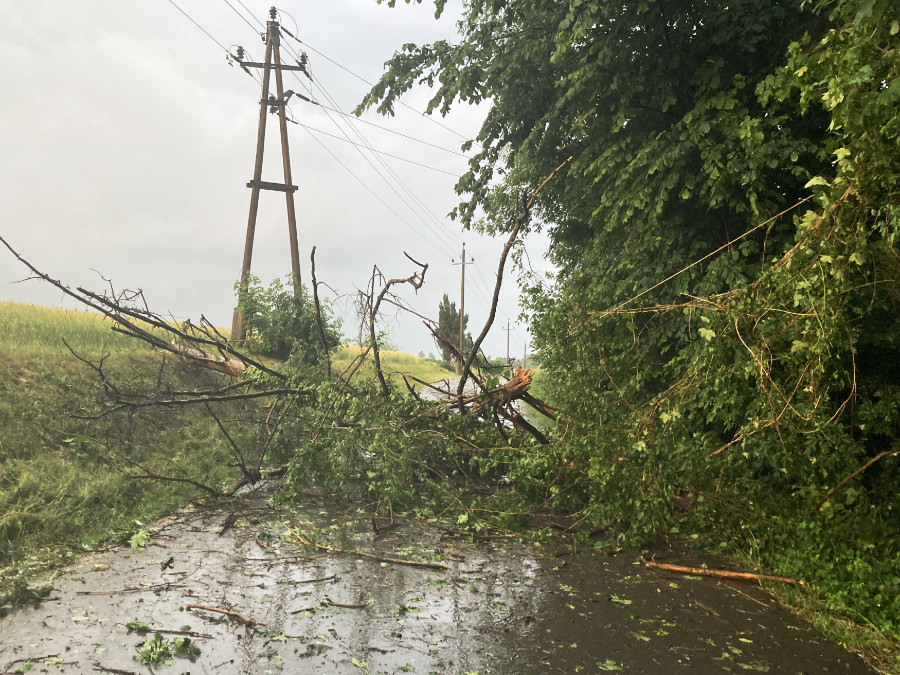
{"type": "Point", "coordinates": [508, 361]}
{"type": "Point", "coordinates": [462, 306]}
{"type": "Point", "coordinates": [269, 103]}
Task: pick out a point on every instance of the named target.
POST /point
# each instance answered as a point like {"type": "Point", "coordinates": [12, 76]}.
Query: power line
{"type": "Point", "coordinates": [380, 152]}
{"type": "Point", "coordinates": [243, 18]}
{"type": "Point", "coordinates": [221, 46]}
{"type": "Point", "coordinates": [362, 138]}
{"type": "Point", "coordinates": [210, 36]}
{"type": "Point", "coordinates": [370, 190]}
{"type": "Point", "coordinates": [387, 168]}
{"type": "Point", "coordinates": [362, 79]}
{"type": "Point", "coordinates": [281, 11]}
{"type": "Point", "coordinates": [354, 118]}
{"type": "Point", "coordinates": [487, 292]}
{"type": "Point", "coordinates": [440, 232]}
{"type": "Point", "coordinates": [365, 143]}
{"type": "Point", "coordinates": [250, 12]}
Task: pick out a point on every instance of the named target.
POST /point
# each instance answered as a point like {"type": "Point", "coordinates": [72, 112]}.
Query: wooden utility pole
{"type": "Point", "coordinates": [462, 306]}
{"type": "Point", "coordinates": [508, 329]}
{"type": "Point", "coordinates": [269, 103]}
{"type": "Point", "coordinates": [525, 355]}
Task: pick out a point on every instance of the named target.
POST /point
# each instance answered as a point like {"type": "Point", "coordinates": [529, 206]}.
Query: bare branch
{"type": "Point", "coordinates": [526, 210]}
{"type": "Point", "coordinates": [175, 479]}
{"type": "Point", "coordinates": [319, 325]}
{"type": "Point", "coordinates": [200, 399]}
{"type": "Point", "coordinates": [415, 280]}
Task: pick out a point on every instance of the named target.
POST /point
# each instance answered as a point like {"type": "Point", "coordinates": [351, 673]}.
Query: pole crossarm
{"type": "Point", "coordinates": [266, 185]}
{"type": "Point", "coordinates": [274, 66]}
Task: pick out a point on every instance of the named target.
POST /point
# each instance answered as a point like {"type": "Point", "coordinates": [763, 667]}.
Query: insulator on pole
{"type": "Point", "coordinates": [273, 12]}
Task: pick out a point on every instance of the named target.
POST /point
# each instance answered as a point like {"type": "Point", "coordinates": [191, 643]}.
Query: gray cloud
{"type": "Point", "coordinates": [127, 141]}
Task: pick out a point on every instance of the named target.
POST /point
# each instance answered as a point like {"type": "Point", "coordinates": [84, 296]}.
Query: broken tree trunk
{"type": "Point", "coordinates": [198, 356]}
{"type": "Point", "coordinates": [502, 395]}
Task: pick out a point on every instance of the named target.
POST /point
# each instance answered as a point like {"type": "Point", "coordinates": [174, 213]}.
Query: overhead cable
{"type": "Point", "coordinates": [365, 143]}
{"type": "Point", "coordinates": [441, 231]}
{"type": "Point", "coordinates": [210, 36]}
{"type": "Point", "coordinates": [380, 152]}
{"type": "Point", "coordinates": [362, 79]}
{"type": "Point", "coordinates": [354, 118]}
{"type": "Point", "coordinates": [371, 191]}
{"type": "Point", "coordinates": [221, 46]}
{"type": "Point", "coordinates": [243, 18]}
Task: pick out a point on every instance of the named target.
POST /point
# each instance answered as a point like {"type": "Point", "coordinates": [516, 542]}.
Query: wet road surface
{"type": "Point", "coordinates": [501, 606]}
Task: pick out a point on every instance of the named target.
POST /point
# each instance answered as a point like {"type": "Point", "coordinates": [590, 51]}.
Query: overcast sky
{"type": "Point", "coordinates": [127, 141]}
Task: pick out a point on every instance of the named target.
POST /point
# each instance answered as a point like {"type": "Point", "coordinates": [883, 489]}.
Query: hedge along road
{"type": "Point", "coordinates": [231, 592]}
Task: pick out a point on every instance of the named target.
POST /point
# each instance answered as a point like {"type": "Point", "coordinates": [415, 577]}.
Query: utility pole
{"type": "Point", "coordinates": [462, 306]}
{"type": "Point", "coordinates": [525, 355]}
{"type": "Point", "coordinates": [508, 362]}
{"type": "Point", "coordinates": [269, 103]}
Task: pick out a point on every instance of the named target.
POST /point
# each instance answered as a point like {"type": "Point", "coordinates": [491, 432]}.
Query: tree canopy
{"type": "Point", "coordinates": [722, 323]}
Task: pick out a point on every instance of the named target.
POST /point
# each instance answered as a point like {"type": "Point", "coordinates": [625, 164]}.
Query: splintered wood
{"type": "Point", "coordinates": [503, 394]}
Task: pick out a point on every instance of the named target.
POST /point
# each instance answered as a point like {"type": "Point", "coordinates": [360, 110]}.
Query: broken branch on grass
{"type": "Point", "coordinates": [227, 612]}
{"type": "Point", "coordinates": [97, 368]}
{"type": "Point", "coordinates": [188, 633]}
{"type": "Point", "coordinates": [125, 318]}
{"type": "Point", "coordinates": [122, 591]}
{"type": "Point", "coordinates": [306, 541]}
{"type": "Point", "coordinates": [199, 399]}
{"type": "Point", "coordinates": [248, 475]}
{"type": "Point", "coordinates": [720, 574]}
{"type": "Point", "coordinates": [880, 455]}
{"type": "Point", "coordinates": [175, 479]}
{"type": "Point", "coordinates": [329, 603]}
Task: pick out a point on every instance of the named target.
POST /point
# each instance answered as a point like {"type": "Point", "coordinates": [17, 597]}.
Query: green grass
{"type": "Point", "coordinates": [393, 363]}
{"type": "Point", "coordinates": [63, 481]}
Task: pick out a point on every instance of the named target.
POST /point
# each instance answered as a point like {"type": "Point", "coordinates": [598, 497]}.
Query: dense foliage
{"type": "Point", "coordinates": [722, 326]}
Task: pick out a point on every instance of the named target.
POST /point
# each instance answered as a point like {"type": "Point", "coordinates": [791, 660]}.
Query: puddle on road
{"type": "Point", "coordinates": [500, 607]}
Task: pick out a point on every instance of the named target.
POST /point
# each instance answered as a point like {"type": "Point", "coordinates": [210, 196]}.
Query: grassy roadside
{"type": "Point", "coordinates": [394, 364]}
{"type": "Point", "coordinates": [64, 480]}
{"type": "Point", "coordinates": [63, 485]}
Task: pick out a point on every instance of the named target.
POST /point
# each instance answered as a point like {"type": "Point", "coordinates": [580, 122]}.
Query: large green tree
{"type": "Point", "coordinates": [723, 319]}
